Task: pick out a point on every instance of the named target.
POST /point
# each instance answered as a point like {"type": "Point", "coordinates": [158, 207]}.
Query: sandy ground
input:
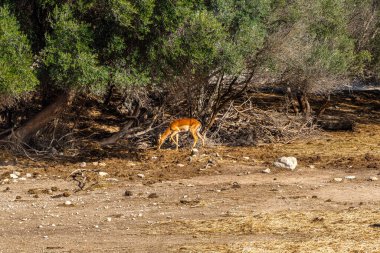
{"type": "Point", "coordinates": [218, 201]}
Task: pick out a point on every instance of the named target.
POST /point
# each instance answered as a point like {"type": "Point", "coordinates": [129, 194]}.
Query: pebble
{"type": "Point", "coordinates": [194, 152]}
{"type": "Point", "coordinates": [28, 175]}
{"type": "Point", "coordinates": [141, 175]}
{"type": "Point", "coordinates": [128, 193]}
{"type": "Point", "coordinates": [350, 177]}
{"type": "Point", "coordinates": [13, 176]}
{"type": "Point", "coordinates": [103, 174]}
{"type": "Point", "coordinates": [245, 157]}
{"type": "Point", "coordinates": [68, 203]}
{"type": "Point", "coordinates": [83, 164]}
{"type": "Point", "coordinates": [153, 195]}
{"type": "Point", "coordinates": [180, 165]}
{"type": "Point", "coordinates": [338, 179]}
{"type": "Point", "coordinates": [154, 157]}
{"type": "Point", "coordinates": [102, 164]}
{"type": "Point", "coordinates": [373, 178]}
{"type": "Point", "coordinates": [109, 219]}
{"type": "Point", "coordinates": [95, 163]}
{"type": "Point", "coordinates": [267, 171]}
{"type": "Point", "coordinates": [17, 173]}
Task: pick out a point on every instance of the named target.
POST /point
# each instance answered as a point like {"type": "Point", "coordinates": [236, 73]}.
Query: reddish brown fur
{"type": "Point", "coordinates": [181, 125]}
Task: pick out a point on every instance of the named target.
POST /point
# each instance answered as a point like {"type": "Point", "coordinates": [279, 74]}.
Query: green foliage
{"type": "Point", "coordinates": [16, 70]}
{"type": "Point", "coordinates": [68, 57]}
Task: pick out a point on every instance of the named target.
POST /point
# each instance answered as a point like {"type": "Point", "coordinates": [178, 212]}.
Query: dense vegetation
{"type": "Point", "coordinates": [191, 56]}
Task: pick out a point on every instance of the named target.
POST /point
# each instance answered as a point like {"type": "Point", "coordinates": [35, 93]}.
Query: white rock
{"type": "Point", "coordinates": [17, 173]}
{"type": "Point", "coordinates": [102, 164]}
{"type": "Point", "coordinates": [350, 177]}
{"type": "Point", "coordinates": [13, 176]}
{"type": "Point", "coordinates": [190, 185]}
{"type": "Point", "coordinates": [95, 163]}
{"type": "Point", "coordinates": [373, 178]}
{"type": "Point", "coordinates": [109, 219]}
{"type": "Point", "coordinates": [180, 165]}
{"type": "Point", "coordinates": [245, 157]}
{"type": "Point", "coordinates": [311, 166]}
{"type": "Point", "coordinates": [338, 179]}
{"type": "Point", "coordinates": [286, 162]}
{"type": "Point", "coordinates": [68, 203]}
{"type": "Point", "coordinates": [267, 171]}
{"type": "Point", "coordinates": [194, 152]}
{"type": "Point", "coordinates": [141, 175]}
{"type": "Point", "coordinates": [83, 164]}
{"type": "Point", "coordinates": [103, 174]}
{"type": "Point", "coordinates": [28, 175]}
{"type": "Point", "coordinates": [154, 157]}
{"type": "Point", "coordinates": [22, 178]}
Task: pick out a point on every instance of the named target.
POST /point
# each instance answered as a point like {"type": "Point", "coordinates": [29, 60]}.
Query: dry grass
{"type": "Point", "coordinates": [314, 231]}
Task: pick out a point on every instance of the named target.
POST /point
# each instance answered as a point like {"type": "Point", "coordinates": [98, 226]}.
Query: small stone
{"type": "Point", "coordinates": [18, 197]}
{"type": "Point", "coordinates": [28, 175]}
{"type": "Point", "coordinates": [102, 164]}
{"type": "Point", "coordinates": [54, 188]}
{"type": "Point", "coordinates": [66, 194]}
{"type": "Point", "coordinates": [194, 152]}
{"type": "Point", "coordinates": [180, 165]}
{"type": "Point", "coordinates": [235, 185]}
{"type": "Point", "coordinates": [267, 171]}
{"type": "Point", "coordinates": [83, 164]}
{"type": "Point", "coordinates": [245, 157]}
{"type": "Point", "coordinates": [13, 176]}
{"type": "Point", "coordinates": [68, 203]}
{"type": "Point", "coordinates": [154, 157]}
{"type": "Point", "coordinates": [350, 177]}
{"type": "Point", "coordinates": [153, 195]}
{"type": "Point", "coordinates": [45, 237]}
{"type": "Point", "coordinates": [286, 162]}
{"type": "Point", "coordinates": [103, 174]}
{"type": "Point", "coordinates": [109, 219]}
{"type": "Point", "coordinates": [17, 173]}
{"type": "Point", "coordinates": [338, 179]}
{"type": "Point", "coordinates": [311, 166]}
{"type": "Point", "coordinates": [96, 226]}
{"type": "Point", "coordinates": [95, 163]}
{"type": "Point", "coordinates": [190, 185]}
{"type": "Point", "coordinates": [7, 189]}
{"type": "Point", "coordinates": [40, 226]}
{"type": "Point", "coordinates": [141, 175]}
{"type": "Point", "coordinates": [128, 193]}
{"type": "Point", "coordinates": [373, 178]}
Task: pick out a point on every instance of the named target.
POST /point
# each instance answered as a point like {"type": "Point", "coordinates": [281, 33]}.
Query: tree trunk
{"type": "Point", "coordinates": [24, 133]}
{"type": "Point", "coordinates": [117, 136]}
{"type": "Point", "coordinates": [323, 108]}
{"type": "Point", "coordinates": [291, 100]}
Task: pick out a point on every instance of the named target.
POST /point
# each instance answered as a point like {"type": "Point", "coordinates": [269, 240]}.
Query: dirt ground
{"type": "Point", "coordinates": [216, 201]}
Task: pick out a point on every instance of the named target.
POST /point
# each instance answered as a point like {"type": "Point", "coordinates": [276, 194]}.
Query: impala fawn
{"type": "Point", "coordinates": [181, 125]}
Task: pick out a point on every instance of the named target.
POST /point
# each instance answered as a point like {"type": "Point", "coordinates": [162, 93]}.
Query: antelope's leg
{"type": "Point", "coordinates": [193, 132]}
{"type": "Point", "coordinates": [201, 137]}
{"type": "Point", "coordinates": [175, 133]}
